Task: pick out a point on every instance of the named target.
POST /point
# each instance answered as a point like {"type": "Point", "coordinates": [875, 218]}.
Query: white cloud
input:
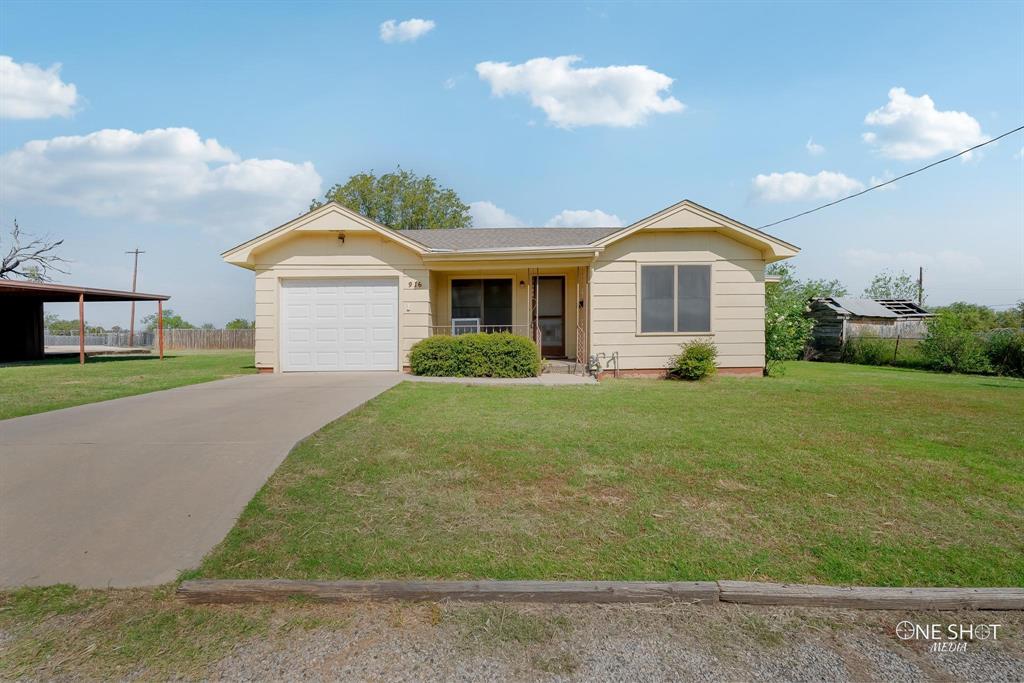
{"type": "Point", "coordinates": [28, 91]}
{"type": "Point", "coordinates": [449, 83]}
{"type": "Point", "coordinates": [392, 31]}
{"type": "Point", "coordinates": [487, 215]}
{"type": "Point", "coordinates": [944, 259]}
{"type": "Point", "coordinates": [570, 218]}
{"type": "Point", "coordinates": [886, 176]}
{"type": "Point", "coordinates": [165, 174]}
{"type": "Point", "coordinates": [792, 186]}
{"type": "Point", "coordinates": [813, 148]}
{"type": "Point", "coordinates": [1019, 154]}
{"type": "Point", "coordinates": [912, 128]}
{"type": "Point", "coordinates": [622, 96]}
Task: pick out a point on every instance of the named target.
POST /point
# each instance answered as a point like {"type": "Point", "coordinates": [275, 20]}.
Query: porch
{"type": "Point", "coordinates": [547, 304]}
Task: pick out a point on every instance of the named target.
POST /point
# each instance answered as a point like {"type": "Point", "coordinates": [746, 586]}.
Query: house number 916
{"type": "Point", "coordinates": [415, 284]}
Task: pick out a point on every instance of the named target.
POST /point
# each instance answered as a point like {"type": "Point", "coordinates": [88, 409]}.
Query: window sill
{"type": "Point", "coordinates": [675, 334]}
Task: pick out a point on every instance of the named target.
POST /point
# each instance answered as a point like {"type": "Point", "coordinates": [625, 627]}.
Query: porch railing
{"type": "Point", "coordinates": [464, 328]}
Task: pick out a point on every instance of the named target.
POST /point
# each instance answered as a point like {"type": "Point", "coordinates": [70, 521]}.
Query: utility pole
{"type": "Point", "coordinates": [920, 286]}
{"type": "Point", "coordinates": [135, 273]}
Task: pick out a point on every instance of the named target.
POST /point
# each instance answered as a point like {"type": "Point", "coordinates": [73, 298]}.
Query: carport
{"type": "Point", "coordinates": [21, 314]}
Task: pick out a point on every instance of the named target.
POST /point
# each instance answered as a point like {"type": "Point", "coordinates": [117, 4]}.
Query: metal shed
{"type": "Point", "coordinates": [21, 314]}
{"type": "Point", "coordinates": [841, 318]}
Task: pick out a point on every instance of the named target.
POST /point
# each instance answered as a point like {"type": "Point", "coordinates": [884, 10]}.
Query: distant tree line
{"type": "Point", "coordinates": [55, 325]}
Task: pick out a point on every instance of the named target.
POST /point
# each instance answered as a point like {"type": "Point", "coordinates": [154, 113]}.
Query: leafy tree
{"type": "Point", "coordinates": [55, 325]}
{"type": "Point", "coordinates": [29, 257]}
{"type": "Point", "coordinates": [974, 317]}
{"type": "Point", "coordinates": [1012, 317]}
{"type": "Point", "coordinates": [240, 324]}
{"type": "Point", "coordinates": [207, 326]}
{"type": "Point", "coordinates": [401, 200]}
{"type": "Point", "coordinates": [786, 329]}
{"type": "Point", "coordinates": [171, 321]}
{"type": "Point", "coordinates": [951, 346]}
{"type": "Point", "coordinates": [887, 285]}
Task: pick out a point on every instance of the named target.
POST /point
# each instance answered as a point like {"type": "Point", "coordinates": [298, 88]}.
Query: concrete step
{"type": "Point", "coordinates": [561, 367]}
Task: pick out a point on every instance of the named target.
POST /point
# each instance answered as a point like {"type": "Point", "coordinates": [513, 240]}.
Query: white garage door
{"type": "Point", "coordinates": [342, 324]}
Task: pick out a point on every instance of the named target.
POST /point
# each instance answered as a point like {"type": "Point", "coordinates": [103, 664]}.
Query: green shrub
{"type": "Point", "coordinates": [869, 351]}
{"type": "Point", "coordinates": [500, 354]}
{"type": "Point", "coordinates": [695, 361]}
{"type": "Point", "coordinates": [951, 346]}
{"type": "Point", "coordinates": [1005, 351]}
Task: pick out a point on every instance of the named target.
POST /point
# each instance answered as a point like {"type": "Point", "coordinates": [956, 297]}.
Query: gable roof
{"type": "Point", "coordinates": [685, 215]}
{"type": "Point", "coordinates": [705, 219]}
{"type": "Point", "coordinates": [331, 216]}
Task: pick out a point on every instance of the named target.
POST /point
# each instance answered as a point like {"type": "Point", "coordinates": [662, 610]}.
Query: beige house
{"type": "Point", "coordinates": [338, 292]}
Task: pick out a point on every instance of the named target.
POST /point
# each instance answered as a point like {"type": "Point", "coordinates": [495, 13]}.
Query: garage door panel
{"type": "Point", "coordinates": [327, 311]}
{"type": "Point", "coordinates": [298, 311]}
{"type": "Point", "coordinates": [340, 324]}
{"type": "Point", "coordinates": [300, 359]}
{"type": "Point", "coordinates": [327, 335]}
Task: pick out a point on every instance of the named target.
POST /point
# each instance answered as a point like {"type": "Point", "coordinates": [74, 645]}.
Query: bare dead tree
{"type": "Point", "coordinates": [33, 258]}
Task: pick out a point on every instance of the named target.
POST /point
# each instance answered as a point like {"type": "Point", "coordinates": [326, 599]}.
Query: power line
{"type": "Point", "coordinates": [889, 182]}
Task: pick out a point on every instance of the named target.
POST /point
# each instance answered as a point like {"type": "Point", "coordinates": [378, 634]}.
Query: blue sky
{"type": "Point", "coordinates": [269, 104]}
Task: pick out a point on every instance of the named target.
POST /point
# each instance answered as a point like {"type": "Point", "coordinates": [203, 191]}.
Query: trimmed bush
{"type": "Point", "coordinates": [1005, 351]}
{"type": "Point", "coordinates": [695, 361]}
{"type": "Point", "coordinates": [498, 354]}
{"type": "Point", "coordinates": [951, 346]}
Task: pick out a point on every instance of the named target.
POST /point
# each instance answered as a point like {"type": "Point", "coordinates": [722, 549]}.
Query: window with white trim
{"type": "Point", "coordinates": [675, 298]}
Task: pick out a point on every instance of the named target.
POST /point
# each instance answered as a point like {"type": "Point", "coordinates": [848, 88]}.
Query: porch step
{"type": "Point", "coordinates": [561, 367]}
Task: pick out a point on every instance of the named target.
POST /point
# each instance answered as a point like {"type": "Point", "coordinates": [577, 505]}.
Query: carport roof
{"type": "Point", "coordinates": [45, 291]}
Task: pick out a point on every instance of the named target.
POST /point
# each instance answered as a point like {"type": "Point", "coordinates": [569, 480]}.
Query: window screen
{"type": "Point", "coordinates": [693, 298]}
{"type": "Point", "coordinates": [675, 298]}
{"type": "Point", "coordinates": [497, 303]}
{"type": "Point", "coordinates": [467, 299]}
{"type": "Point", "coordinates": [489, 300]}
{"type": "Point", "coordinates": [656, 298]}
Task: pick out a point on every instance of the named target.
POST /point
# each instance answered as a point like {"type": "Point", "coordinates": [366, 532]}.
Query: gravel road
{"type": "Point", "coordinates": [473, 642]}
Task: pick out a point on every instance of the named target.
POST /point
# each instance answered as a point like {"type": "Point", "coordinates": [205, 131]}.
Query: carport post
{"type": "Point", "coordinates": [160, 325]}
{"type": "Point", "coordinates": [81, 328]}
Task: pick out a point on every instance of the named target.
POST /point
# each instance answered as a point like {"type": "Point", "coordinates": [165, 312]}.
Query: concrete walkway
{"type": "Point", "coordinates": [130, 492]}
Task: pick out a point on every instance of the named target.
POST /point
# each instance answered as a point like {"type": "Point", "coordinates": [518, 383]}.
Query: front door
{"type": "Point", "coordinates": [551, 315]}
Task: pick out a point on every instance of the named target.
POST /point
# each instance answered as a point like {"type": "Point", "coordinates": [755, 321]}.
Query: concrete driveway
{"type": "Point", "coordinates": [130, 492]}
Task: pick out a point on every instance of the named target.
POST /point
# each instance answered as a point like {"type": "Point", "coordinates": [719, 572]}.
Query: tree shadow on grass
{"type": "Point", "coordinates": [72, 359]}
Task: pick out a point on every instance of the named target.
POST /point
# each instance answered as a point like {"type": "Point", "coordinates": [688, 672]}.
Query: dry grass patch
{"type": "Point", "coordinates": [115, 634]}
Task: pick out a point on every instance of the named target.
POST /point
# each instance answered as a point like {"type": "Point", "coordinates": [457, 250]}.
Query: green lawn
{"type": "Point", "coordinates": [831, 473]}
{"type": "Point", "coordinates": [36, 387]}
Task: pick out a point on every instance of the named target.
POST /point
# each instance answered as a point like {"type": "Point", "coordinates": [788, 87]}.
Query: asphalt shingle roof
{"type": "Point", "coordinates": [472, 239]}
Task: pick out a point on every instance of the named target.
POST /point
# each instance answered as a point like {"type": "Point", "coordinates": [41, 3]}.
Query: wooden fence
{"type": "Point", "coordinates": [899, 329]}
{"type": "Point", "coordinates": [173, 339]}
{"type": "Point", "coordinates": [209, 339]}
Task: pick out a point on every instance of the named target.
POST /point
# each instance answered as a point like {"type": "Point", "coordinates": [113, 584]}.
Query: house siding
{"type": "Point", "coordinates": [737, 298]}
{"type": "Point", "coordinates": [322, 255]}
{"type": "Point", "coordinates": [737, 290]}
